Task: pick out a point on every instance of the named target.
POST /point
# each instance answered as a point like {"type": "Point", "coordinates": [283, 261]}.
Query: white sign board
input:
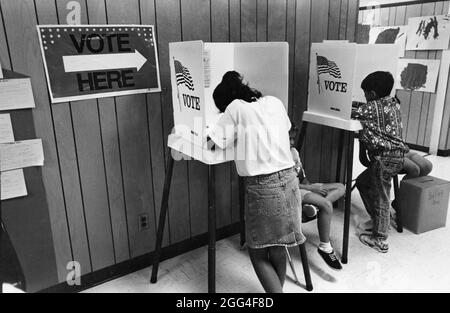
{"type": "Point", "coordinates": [197, 68]}
{"type": "Point", "coordinates": [389, 35]}
{"type": "Point", "coordinates": [331, 78]}
{"type": "Point", "coordinates": [428, 33]}
{"type": "Point", "coordinates": [337, 70]}
{"type": "Point", "coordinates": [418, 75]}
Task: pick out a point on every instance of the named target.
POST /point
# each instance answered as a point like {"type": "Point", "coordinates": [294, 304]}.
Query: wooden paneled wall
{"type": "Point", "coordinates": [105, 159]}
{"type": "Point", "coordinates": [417, 107]}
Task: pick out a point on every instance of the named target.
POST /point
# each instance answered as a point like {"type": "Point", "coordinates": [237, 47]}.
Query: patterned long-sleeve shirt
{"type": "Point", "coordinates": [382, 125]}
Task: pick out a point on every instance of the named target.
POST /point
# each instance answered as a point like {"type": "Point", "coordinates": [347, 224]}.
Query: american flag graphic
{"type": "Point", "coordinates": [183, 75]}
{"type": "Point", "coordinates": [324, 66]}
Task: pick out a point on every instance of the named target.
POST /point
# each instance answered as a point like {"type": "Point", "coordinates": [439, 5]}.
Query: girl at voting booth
{"type": "Point", "coordinates": [259, 125]}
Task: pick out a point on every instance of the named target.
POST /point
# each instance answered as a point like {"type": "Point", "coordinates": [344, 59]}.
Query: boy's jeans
{"type": "Point", "coordinates": [374, 185]}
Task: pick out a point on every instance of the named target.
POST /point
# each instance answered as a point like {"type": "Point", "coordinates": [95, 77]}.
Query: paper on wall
{"type": "Point", "coordinates": [21, 154]}
{"type": "Point", "coordinates": [6, 130]}
{"type": "Point", "coordinates": [389, 35]}
{"type": "Point", "coordinates": [16, 94]}
{"type": "Point", "coordinates": [13, 184]}
{"type": "Point", "coordinates": [428, 33]}
{"type": "Point", "coordinates": [1, 72]}
{"type": "Point", "coordinates": [417, 75]}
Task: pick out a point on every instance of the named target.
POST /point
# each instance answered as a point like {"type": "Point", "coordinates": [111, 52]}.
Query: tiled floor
{"type": "Point", "coordinates": [415, 263]}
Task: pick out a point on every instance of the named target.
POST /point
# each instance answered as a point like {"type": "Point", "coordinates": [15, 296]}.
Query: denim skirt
{"type": "Point", "coordinates": [273, 206]}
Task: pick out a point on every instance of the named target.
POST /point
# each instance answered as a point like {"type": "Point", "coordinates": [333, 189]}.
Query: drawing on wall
{"type": "Point", "coordinates": [363, 34]}
{"type": "Point", "coordinates": [418, 75]}
{"type": "Point", "coordinates": [389, 35]}
{"type": "Point", "coordinates": [428, 33]}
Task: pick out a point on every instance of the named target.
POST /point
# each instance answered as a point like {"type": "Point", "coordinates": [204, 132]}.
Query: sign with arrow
{"type": "Point", "coordinates": [95, 61]}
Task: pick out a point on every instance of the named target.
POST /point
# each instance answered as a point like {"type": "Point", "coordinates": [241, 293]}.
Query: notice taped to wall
{"type": "Point", "coordinates": [6, 130]}
{"type": "Point", "coordinates": [13, 184]}
{"type": "Point", "coordinates": [21, 154]}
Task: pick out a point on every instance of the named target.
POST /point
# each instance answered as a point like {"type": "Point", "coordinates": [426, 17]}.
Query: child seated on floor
{"type": "Point", "coordinates": [382, 135]}
{"type": "Point", "coordinates": [321, 196]}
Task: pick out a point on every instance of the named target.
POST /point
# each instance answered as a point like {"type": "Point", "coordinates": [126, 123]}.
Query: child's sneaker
{"type": "Point", "coordinates": [375, 243]}
{"type": "Point", "coordinates": [331, 260]}
{"type": "Point", "coordinates": [309, 213]}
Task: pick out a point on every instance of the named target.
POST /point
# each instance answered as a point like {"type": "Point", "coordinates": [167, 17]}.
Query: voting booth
{"type": "Point", "coordinates": [197, 68]}
{"type": "Point", "coordinates": [337, 70]}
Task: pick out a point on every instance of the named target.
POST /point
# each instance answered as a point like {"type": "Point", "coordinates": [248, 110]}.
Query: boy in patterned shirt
{"type": "Point", "coordinates": [382, 135]}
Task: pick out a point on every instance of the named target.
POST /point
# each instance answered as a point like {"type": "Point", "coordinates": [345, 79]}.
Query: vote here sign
{"type": "Point", "coordinates": [86, 62]}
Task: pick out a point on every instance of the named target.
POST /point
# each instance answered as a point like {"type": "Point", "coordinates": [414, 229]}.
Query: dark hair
{"type": "Point", "coordinates": [231, 88]}
{"type": "Point", "coordinates": [380, 82]}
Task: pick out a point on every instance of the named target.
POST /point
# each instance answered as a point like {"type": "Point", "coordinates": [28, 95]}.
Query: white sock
{"type": "Point", "coordinates": [326, 247]}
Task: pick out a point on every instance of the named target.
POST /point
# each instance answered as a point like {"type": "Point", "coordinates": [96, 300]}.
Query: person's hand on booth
{"type": "Point", "coordinates": [210, 145]}
{"type": "Point", "coordinates": [296, 157]}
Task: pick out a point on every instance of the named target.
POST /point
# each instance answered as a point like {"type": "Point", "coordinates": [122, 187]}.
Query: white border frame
{"type": "Point", "coordinates": [440, 103]}
{"type": "Point", "coordinates": [105, 94]}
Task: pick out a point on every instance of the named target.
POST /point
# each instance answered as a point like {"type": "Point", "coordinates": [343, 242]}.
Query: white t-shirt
{"type": "Point", "coordinates": [261, 132]}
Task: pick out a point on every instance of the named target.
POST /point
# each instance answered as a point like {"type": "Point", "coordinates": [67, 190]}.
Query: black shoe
{"type": "Point", "coordinates": [309, 213]}
{"type": "Point", "coordinates": [331, 260]}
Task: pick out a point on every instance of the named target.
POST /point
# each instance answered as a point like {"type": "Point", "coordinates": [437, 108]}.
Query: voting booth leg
{"type": "Point", "coordinates": [242, 210]}
{"type": "Point", "coordinates": [162, 216]}
{"type": "Point", "coordinates": [398, 211]}
{"type": "Point", "coordinates": [301, 137]}
{"type": "Point", "coordinates": [211, 231]}
{"type": "Point", "coordinates": [305, 264]}
{"type": "Point", "coordinates": [341, 152]}
{"type": "Point", "coordinates": [348, 195]}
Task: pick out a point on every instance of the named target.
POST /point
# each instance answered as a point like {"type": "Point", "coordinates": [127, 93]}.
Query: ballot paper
{"type": "Point", "coordinates": [16, 94]}
{"type": "Point", "coordinates": [21, 154]}
{"type": "Point", "coordinates": [13, 184]}
{"type": "Point", "coordinates": [6, 130]}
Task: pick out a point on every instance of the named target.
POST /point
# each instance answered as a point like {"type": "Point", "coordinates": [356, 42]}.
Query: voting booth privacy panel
{"type": "Point", "coordinates": [337, 70]}
{"type": "Point", "coordinates": [198, 67]}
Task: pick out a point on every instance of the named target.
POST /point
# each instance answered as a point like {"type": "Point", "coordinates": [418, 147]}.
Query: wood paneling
{"type": "Point", "coordinates": [169, 29]}
{"type": "Point", "coordinates": [105, 159]}
{"type": "Point", "coordinates": [88, 145]}
{"type": "Point", "coordinates": [220, 33]}
{"type": "Point", "coordinates": [134, 147]}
